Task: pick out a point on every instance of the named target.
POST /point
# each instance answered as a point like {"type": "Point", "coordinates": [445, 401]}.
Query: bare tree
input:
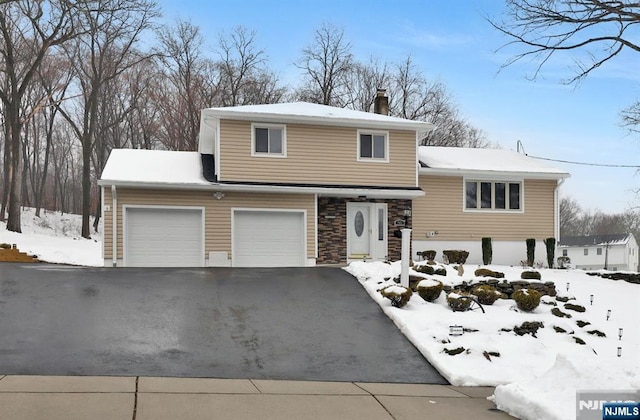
{"type": "Point", "coordinates": [326, 63]}
{"type": "Point", "coordinates": [570, 213]}
{"type": "Point", "coordinates": [107, 50]}
{"type": "Point", "coordinates": [363, 81]}
{"type": "Point", "coordinates": [592, 31]}
{"type": "Point", "coordinates": [28, 29]}
{"type": "Point", "coordinates": [244, 78]}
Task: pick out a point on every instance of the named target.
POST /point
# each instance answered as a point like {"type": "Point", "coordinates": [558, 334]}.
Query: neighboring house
{"type": "Point", "coordinates": [300, 184]}
{"type": "Point", "coordinates": [613, 252]}
{"type": "Point", "coordinates": [475, 193]}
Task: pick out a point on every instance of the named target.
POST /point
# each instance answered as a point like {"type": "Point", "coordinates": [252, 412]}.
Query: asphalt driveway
{"type": "Point", "coordinates": [297, 323]}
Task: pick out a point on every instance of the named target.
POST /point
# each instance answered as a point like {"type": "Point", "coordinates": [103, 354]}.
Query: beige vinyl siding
{"type": "Point", "coordinates": [217, 212]}
{"type": "Point", "coordinates": [316, 155]}
{"type": "Point", "coordinates": [441, 210]}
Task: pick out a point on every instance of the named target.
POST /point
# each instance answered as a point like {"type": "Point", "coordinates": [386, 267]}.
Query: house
{"type": "Point", "coordinates": [301, 184]}
{"type": "Point", "coordinates": [293, 184]}
{"type": "Point", "coordinates": [475, 193]}
{"type": "Point", "coordinates": [613, 252]}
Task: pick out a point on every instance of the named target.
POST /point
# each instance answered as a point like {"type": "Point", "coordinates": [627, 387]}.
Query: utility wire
{"type": "Point", "coordinates": [586, 163]}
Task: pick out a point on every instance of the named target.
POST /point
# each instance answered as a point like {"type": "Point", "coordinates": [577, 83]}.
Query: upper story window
{"type": "Point", "coordinates": [599, 251]}
{"type": "Point", "coordinates": [586, 251]}
{"type": "Point", "coordinates": [493, 195]}
{"type": "Point", "coordinates": [268, 140]}
{"type": "Point", "coordinates": [564, 252]}
{"type": "Point", "coordinates": [373, 146]}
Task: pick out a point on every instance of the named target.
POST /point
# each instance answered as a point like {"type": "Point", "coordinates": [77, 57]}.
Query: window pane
{"type": "Point", "coordinates": [564, 252]}
{"type": "Point", "coordinates": [599, 251]}
{"type": "Point", "coordinates": [262, 140]}
{"type": "Point", "coordinates": [485, 195]}
{"type": "Point", "coordinates": [366, 146]}
{"type": "Point", "coordinates": [514, 196]}
{"type": "Point", "coordinates": [378, 147]}
{"type": "Point", "coordinates": [586, 251]}
{"type": "Point", "coordinates": [275, 140]}
{"type": "Point", "coordinates": [381, 223]}
{"type": "Point", "coordinates": [501, 200]}
{"type": "Point", "coordinates": [472, 194]}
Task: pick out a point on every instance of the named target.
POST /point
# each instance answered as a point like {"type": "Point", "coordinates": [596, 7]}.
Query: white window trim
{"type": "Point", "coordinates": [493, 201]}
{"type": "Point", "coordinates": [371, 159]}
{"type": "Point", "coordinates": [283, 127]}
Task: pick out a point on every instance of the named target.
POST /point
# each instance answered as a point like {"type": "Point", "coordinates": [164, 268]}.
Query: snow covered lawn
{"type": "Point", "coordinates": [536, 377]}
{"type": "Point", "coordinates": [55, 238]}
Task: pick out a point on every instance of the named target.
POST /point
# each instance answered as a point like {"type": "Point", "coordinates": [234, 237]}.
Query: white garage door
{"type": "Point", "coordinates": [156, 237]}
{"type": "Point", "coordinates": [268, 239]}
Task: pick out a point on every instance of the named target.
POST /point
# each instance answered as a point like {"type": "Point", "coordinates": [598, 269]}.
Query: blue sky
{"type": "Point", "coordinates": [451, 41]}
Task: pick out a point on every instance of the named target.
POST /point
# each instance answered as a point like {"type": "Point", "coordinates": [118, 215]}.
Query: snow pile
{"type": "Point", "coordinates": [55, 238]}
{"type": "Point", "coordinates": [536, 377]}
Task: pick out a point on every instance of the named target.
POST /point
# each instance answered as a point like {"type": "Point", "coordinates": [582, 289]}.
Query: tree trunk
{"type": "Point", "coordinates": [86, 186]}
{"type": "Point", "coordinates": [15, 169]}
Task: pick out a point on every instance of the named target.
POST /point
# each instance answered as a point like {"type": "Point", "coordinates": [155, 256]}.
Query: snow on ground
{"type": "Point", "coordinates": [536, 378]}
{"type": "Point", "coordinates": [55, 238]}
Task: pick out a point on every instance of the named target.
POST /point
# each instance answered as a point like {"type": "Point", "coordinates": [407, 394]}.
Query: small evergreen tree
{"type": "Point", "coordinates": [550, 243]}
{"type": "Point", "coordinates": [531, 251]}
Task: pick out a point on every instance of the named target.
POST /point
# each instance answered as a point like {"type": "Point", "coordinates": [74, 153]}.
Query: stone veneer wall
{"type": "Point", "coordinates": [332, 227]}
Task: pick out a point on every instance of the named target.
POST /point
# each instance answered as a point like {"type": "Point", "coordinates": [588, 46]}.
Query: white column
{"type": "Point", "coordinates": [405, 255]}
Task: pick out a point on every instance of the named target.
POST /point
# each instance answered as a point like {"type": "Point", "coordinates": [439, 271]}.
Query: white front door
{"type": "Point", "coordinates": [366, 230]}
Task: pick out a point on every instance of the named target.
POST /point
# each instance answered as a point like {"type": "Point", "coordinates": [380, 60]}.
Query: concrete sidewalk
{"type": "Point", "coordinates": [146, 398]}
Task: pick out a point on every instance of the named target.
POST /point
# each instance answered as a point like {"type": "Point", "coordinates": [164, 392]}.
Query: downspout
{"type": "Point", "coordinates": [114, 227]}
{"type": "Point", "coordinates": [556, 216]}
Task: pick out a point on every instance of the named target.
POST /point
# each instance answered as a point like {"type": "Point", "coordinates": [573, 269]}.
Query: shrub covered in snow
{"type": "Point", "coordinates": [398, 295]}
{"type": "Point", "coordinates": [428, 255]}
{"type": "Point", "coordinates": [459, 302]}
{"type": "Point", "coordinates": [456, 256]}
{"type": "Point", "coordinates": [486, 294]}
{"type": "Point", "coordinates": [531, 275]}
{"type": "Point", "coordinates": [485, 272]}
{"type": "Point", "coordinates": [428, 269]}
{"type": "Point", "coordinates": [527, 299]}
{"type": "Point", "coordinates": [429, 289]}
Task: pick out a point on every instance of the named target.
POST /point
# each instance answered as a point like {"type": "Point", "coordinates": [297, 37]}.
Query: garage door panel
{"type": "Point", "coordinates": [269, 239]}
{"type": "Point", "coordinates": [158, 237]}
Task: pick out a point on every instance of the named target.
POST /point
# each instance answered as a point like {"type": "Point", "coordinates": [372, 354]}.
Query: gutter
{"type": "Point", "coordinates": [496, 175]}
{"type": "Point", "coordinates": [321, 191]}
{"type": "Point", "coordinates": [556, 211]}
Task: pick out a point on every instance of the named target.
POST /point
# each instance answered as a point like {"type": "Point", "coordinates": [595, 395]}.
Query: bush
{"type": "Point", "coordinates": [456, 256]}
{"type": "Point", "coordinates": [527, 300]}
{"type": "Point", "coordinates": [455, 301]}
{"type": "Point", "coordinates": [531, 251]}
{"type": "Point", "coordinates": [550, 243]}
{"type": "Point", "coordinates": [487, 251]}
{"type": "Point", "coordinates": [428, 255]}
{"type": "Point", "coordinates": [486, 294]}
{"type": "Point", "coordinates": [530, 275]}
{"type": "Point", "coordinates": [429, 289]}
{"type": "Point", "coordinates": [427, 269]}
{"type": "Point", "coordinates": [485, 272]}
{"type": "Point", "coordinates": [564, 262]}
{"type": "Point", "coordinates": [398, 295]}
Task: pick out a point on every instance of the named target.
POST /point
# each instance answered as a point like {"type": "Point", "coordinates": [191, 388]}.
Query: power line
{"type": "Point", "coordinates": [607, 165]}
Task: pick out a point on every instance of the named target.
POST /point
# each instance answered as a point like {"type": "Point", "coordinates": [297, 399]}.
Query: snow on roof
{"type": "Point", "coordinates": [315, 113]}
{"type": "Point", "coordinates": [153, 166]}
{"type": "Point", "coordinates": [591, 240]}
{"type": "Point", "coordinates": [464, 159]}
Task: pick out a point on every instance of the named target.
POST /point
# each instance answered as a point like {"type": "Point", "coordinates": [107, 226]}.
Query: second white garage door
{"type": "Point", "coordinates": [163, 237]}
{"type": "Point", "coordinates": [268, 238]}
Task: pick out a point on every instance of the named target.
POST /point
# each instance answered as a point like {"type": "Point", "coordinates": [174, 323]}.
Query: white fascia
{"type": "Point", "coordinates": [492, 175]}
{"type": "Point", "coordinates": [321, 191]}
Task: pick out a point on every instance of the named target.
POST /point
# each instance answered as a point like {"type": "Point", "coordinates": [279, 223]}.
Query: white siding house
{"type": "Point", "coordinates": [614, 252]}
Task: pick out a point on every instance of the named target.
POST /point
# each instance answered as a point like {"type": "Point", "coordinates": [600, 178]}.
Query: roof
{"type": "Point", "coordinates": [309, 113]}
{"type": "Point", "coordinates": [171, 169]}
{"type": "Point", "coordinates": [153, 166]}
{"type": "Point", "coordinates": [611, 239]}
{"type": "Point", "coordinates": [464, 160]}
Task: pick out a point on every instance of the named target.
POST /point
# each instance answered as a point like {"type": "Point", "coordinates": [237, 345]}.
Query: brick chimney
{"type": "Point", "coordinates": [381, 102]}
